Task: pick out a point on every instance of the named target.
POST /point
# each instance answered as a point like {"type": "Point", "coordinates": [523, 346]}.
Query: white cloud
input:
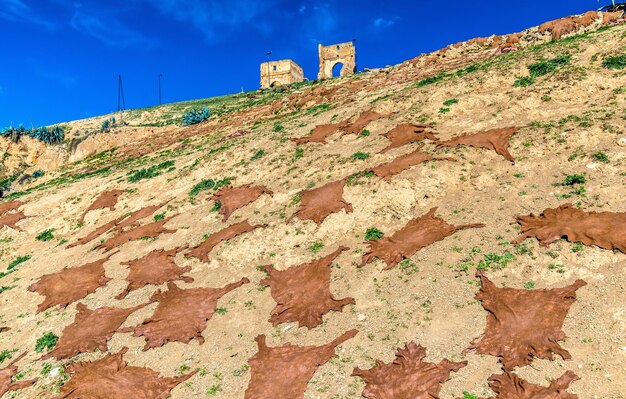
{"type": "Point", "coordinates": [381, 23]}
{"type": "Point", "coordinates": [213, 17]}
{"type": "Point", "coordinates": [18, 11]}
{"type": "Point", "coordinates": [102, 25]}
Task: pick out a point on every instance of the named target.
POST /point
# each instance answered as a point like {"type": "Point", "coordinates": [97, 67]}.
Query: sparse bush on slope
{"type": "Point", "coordinates": [196, 116]}
{"type": "Point", "coordinates": [618, 62]}
{"type": "Point", "coordinates": [541, 68]}
{"type": "Point", "coordinates": [48, 135]}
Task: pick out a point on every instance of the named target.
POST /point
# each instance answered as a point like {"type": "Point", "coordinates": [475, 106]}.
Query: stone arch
{"type": "Point", "coordinates": [329, 56]}
{"type": "Point", "coordinates": [337, 69]}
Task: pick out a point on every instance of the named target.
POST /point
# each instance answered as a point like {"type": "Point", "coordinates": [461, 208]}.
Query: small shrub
{"type": "Point", "coordinates": [495, 261]}
{"type": "Point", "coordinates": [373, 234]}
{"type": "Point", "coordinates": [299, 153]}
{"type": "Point", "coordinates": [196, 116]}
{"type": "Point", "coordinates": [159, 216]}
{"type": "Point", "coordinates": [6, 354]}
{"type": "Point", "coordinates": [467, 395]}
{"type": "Point", "coordinates": [316, 246]}
{"type": "Point", "coordinates": [278, 127]}
{"type": "Point", "coordinates": [257, 155]}
{"type": "Point", "coordinates": [47, 341]}
{"type": "Point", "coordinates": [529, 285]}
{"type": "Point", "coordinates": [45, 235]}
{"type": "Point", "coordinates": [214, 389]}
{"type": "Point", "coordinates": [600, 157]}
{"type": "Point", "coordinates": [38, 173]}
{"type": "Point", "coordinates": [216, 206]}
{"type": "Point", "coordinates": [204, 185]}
{"type": "Point", "coordinates": [618, 62]}
{"type": "Point", "coordinates": [360, 155]}
{"type": "Point", "coordinates": [577, 247]}
{"type": "Point", "coordinates": [523, 81]}
{"type": "Point", "coordinates": [450, 102]}
{"type": "Point", "coordinates": [364, 133]}
{"type": "Point", "coordinates": [571, 180]}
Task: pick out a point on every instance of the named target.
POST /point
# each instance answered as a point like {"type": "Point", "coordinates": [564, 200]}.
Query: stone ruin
{"type": "Point", "coordinates": [285, 72]}
{"type": "Point", "coordinates": [278, 73]}
{"type": "Point", "coordinates": [342, 53]}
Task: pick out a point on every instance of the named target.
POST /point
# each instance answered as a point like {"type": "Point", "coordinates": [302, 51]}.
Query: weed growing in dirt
{"type": "Point", "coordinates": [47, 341]}
{"type": "Point", "coordinates": [316, 246]}
{"type": "Point", "coordinates": [529, 285]}
{"type": "Point", "coordinates": [444, 110]}
{"type": "Point", "coordinates": [432, 79]}
{"type": "Point", "coordinates": [467, 395]}
{"type": "Point", "coordinates": [541, 68]}
{"type": "Point", "coordinates": [450, 102]}
{"type": "Point", "coordinates": [45, 235]}
{"type": "Point", "coordinates": [14, 263]}
{"type": "Point", "coordinates": [6, 288]}
{"type": "Point", "coordinates": [495, 261]}
{"type": "Point", "coordinates": [571, 180]}
{"type": "Point", "coordinates": [360, 156]}
{"type": "Point", "coordinates": [221, 311]}
{"type": "Point", "coordinates": [216, 206]}
{"type": "Point", "coordinates": [159, 216]}
{"type": "Point", "coordinates": [355, 178]}
{"type": "Point", "coordinates": [364, 133]}
{"type": "Point", "coordinates": [278, 127]}
{"type": "Point", "coordinates": [299, 153]}
{"type": "Point", "coordinates": [208, 184]}
{"type": "Point", "coordinates": [214, 389]}
{"type": "Point", "coordinates": [618, 62]}
{"type": "Point", "coordinates": [600, 157]}
{"type": "Point", "coordinates": [373, 234]}
{"type": "Point", "coordinates": [148, 173]}
{"type": "Point", "coordinates": [577, 247]}
{"type": "Point", "coordinates": [257, 155]}
{"type": "Point", "coordinates": [6, 354]}
{"type": "Point", "coordinates": [408, 267]}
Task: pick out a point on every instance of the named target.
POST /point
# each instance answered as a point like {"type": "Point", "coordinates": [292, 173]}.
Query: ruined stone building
{"type": "Point", "coordinates": [342, 53]}
{"type": "Point", "coordinates": [277, 73]}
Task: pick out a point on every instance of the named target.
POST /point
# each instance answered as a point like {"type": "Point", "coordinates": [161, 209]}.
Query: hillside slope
{"type": "Point", "coordinates": [558, 100]}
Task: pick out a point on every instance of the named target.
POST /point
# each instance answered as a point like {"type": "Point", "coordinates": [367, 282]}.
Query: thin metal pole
{"type": "Point", "coordinates": [160, 76]}
{"type": "Point", "coordinates": [269, 80]}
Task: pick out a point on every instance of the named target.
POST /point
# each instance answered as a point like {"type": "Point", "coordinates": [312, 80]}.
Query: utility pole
{"type": "Point", "coordinates": [121, 103]}
{"type": "Point", "coordinates": [160, 76]}
{"type": "Point", "coordinates": [269, 80]}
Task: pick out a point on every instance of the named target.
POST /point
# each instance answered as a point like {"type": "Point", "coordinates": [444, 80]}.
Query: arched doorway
{"type": "Point", "coordinates": [274, 84]}
{"type": "Point", "coordinates": [336, 70]}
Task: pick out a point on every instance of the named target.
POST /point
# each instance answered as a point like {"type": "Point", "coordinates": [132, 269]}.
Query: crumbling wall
{"type": "Point", "coordinates": [344, 53]}
{"type": "Point", "coordinates": [278, 73]}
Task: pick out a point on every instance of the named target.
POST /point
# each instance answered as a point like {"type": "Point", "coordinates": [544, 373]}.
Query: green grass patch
{"type": "Point", "coordinates": [373, 234]}
{"type": "Point", "coordinates": [47, 341]}
{"type": "Point", "coordinates": [45, 235]}
{"type": "Point", "coordinates": [148, 173]}
{"type": "Point", "coordinates": [618, 62]}
{"type": "Point", "coordinates": [360, 156]}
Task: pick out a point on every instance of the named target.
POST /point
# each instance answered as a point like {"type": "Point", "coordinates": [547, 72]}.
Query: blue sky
{"type": "Point", "coordinates": [61, 58]}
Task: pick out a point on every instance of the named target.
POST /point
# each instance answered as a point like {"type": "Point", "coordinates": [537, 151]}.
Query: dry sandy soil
{"type": "Point", "coordinates": [566, 117]}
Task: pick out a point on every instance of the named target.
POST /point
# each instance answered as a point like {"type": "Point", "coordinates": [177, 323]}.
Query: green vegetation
{"type": "Point", "coordinates": [148, 173]}
{"type": "Point", "coordinates": [541, 68]}
{"type": "Point", "coordinates": [571, 180]}
{"type": "Point", "coordinates": [6, 354]}
{"type": "Point", "coordinates": [216, 206]}
{"type": "Point", "coordinates": [577, 247]}
{"type": "Point", "coordinates": [48, 135]}
{"type": "Point", "coordinates": [529, 285]}
{"type": "Point", "coordinates": [467, 395]}
{"type": "Point", "coordinates": [299, 153]}
{"type": "Point", "coordinates": [14, 263]}
{"type": "Point", "coordinates": [316, 246]}
{"type": "Point", "coordinates": [214, 389]}
{"type": "Point", "coordinates": [38, 173]}
{"type": "Point", "coordinates": [444, 110]}
{"type": "Point", "coordinates": [432, 79]}
{"type": "Point", "coordinates": [618, 62]}
{"type": "Point", "coordinates": [450, 102]}
{"type": "Point", "coordinates": [107, 124]}
{"type": "Point", "coordinates": [159, 216]}
{"type": "Point", "coordinates": [364, 133]}
{"type": "Point", "coordinates": [373, 234]}
{"type": "Point", "coordinates": [360, 156]}
{"type": "Point", "coordinates": [47, 341]}
{"type": "Point", "coordinates": [257, 155]}
{"type": "Point", "coordinates": [495, 261]}
{"type": "Point", "coordinates": [600, 157]}
{"type": "Point", "coordinates": [278, 127]}
{"type": "Point", "coordinates": [196, 116]}
{"type": "Point", "coordinates": [45, 235]}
